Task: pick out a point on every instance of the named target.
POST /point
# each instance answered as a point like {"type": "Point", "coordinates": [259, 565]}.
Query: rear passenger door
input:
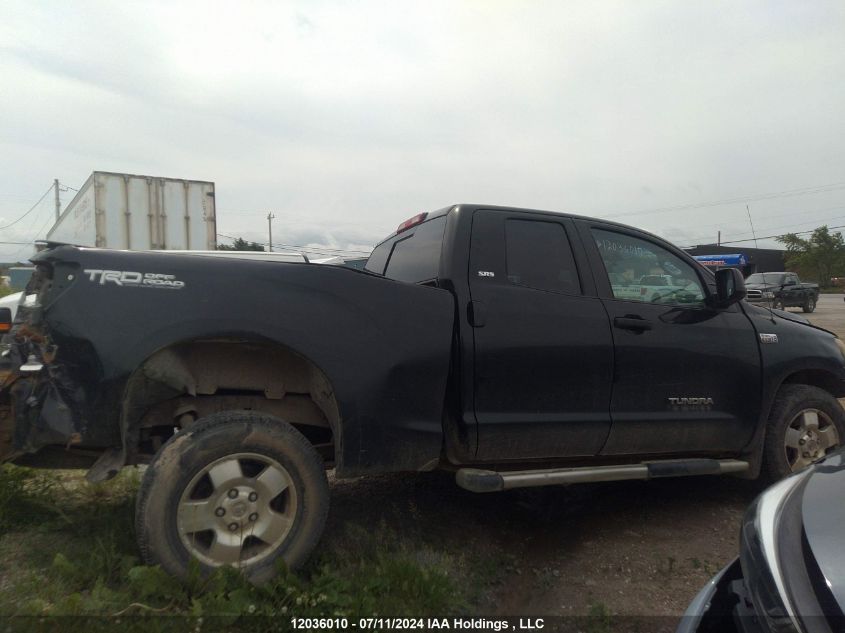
{"type": "Point", "coordinates": [543, 349]}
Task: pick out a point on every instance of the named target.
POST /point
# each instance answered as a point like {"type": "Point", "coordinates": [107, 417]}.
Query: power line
{"type": "Point", "coordinates": [742, 199]}
{"type": "Point", "coordinates": [794, 212]}
{"type": "Point", "coordinates": [771, 237]}
{"type": "Point", "coordinates": [34, 236]}
{"type": "Point", "coordinates": [786, 226]}
{"type": "Point", "coordinates": [31, 209]}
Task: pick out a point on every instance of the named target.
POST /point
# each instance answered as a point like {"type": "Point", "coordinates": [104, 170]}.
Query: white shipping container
{"type": "Point", "coordinates": [139, 213]}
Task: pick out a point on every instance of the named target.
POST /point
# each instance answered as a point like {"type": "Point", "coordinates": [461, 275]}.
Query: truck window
{"type": "Point", "coordinates": [538, 256]}
{"type": "Point", "coordinates": [378, 258]}
{"type": "Point", "coordinates": [634, 265]}
{"type": "Point", "coordinates": [415, 256]}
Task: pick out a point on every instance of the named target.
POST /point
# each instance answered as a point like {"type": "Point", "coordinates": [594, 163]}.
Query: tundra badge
{"type": "Point", "coordinates": [768, 338]}
{"type": "Point", "coordinates": [690, 401]}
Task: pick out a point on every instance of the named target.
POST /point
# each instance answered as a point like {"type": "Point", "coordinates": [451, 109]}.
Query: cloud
{"type": "Point", "coordinates": [345, 119]}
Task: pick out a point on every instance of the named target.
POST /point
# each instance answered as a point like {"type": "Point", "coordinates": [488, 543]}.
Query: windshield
{"type": "Point", "coordinates": [765, 278]}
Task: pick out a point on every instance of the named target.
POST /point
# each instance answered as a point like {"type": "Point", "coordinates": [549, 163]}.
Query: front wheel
{"type": "Point", "coordinates": [809, 304]}
{"type": "Point", "coordinates": [805, 424]}
{"type": "Point", "coordinates": [237, 488]}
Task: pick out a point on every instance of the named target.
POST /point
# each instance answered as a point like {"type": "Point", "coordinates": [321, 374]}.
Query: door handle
{"type": "Point", "coordinates": [635, 323]}
{"type": "Point", "coordinates": [476, 314]}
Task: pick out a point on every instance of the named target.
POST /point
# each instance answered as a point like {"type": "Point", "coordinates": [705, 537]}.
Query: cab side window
{"type": "Point", "coordinates": [538, 256]}
{"type": "Point", "coordinates": [639, 270]}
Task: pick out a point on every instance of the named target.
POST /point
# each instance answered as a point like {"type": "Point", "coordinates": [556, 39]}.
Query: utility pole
{"type": "Point", "coordinates": [270, 217]}
{"type": "Point", "coordinates": [719, 238]}
{"type": "Point", "coordinates": [58, 202]}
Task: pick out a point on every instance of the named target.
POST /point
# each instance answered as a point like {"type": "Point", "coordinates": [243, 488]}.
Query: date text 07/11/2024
{"type": "Point", "coordinates": [416, 624]}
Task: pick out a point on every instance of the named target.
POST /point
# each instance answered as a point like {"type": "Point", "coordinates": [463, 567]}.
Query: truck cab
{"type": "Point", "coordinates": [563, 355]}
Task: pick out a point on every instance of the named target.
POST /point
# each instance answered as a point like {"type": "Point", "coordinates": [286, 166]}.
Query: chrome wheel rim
{"type": "Point", "coordinates": [237, 510]}
{"type": "Point", "coordinates": [809, 436]}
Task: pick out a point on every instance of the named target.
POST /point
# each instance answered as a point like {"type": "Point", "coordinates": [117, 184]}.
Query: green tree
{"type": "Point", "coordinates": [818, 258]}
{"type": "Point", "coordinates": [240, 244]}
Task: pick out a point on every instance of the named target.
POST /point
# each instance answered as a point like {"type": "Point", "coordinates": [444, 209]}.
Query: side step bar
{"type": "Point", "coordinates": [476, 480]}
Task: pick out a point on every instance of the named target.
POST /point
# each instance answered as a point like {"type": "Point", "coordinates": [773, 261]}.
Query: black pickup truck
{"type": "Point", "coordinates": [513, 347]}
{"type": "Point", "coordinates": [782, 290]}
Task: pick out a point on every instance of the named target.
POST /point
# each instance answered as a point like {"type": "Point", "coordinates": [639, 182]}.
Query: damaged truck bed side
{"type": "Point", "coordinates": [514, 347]}
{"type": "Point", "coordinates": [135, 344]}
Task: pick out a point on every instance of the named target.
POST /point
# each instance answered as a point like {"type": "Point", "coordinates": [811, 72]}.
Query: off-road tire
{"type": "Point", "coordinates": [789, 402]}
{"type": "Point", "coordinates": [809, 304]}
{"type": "Point", "coordinates": [213, 438]}
{"type": "Point", "coordinates": [777, 304]}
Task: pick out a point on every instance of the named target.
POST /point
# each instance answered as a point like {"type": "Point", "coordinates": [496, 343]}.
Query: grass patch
{"type": "Point", "coordinates": [68, 548]}
{"type": "Point", "coordinates": [26, 498]}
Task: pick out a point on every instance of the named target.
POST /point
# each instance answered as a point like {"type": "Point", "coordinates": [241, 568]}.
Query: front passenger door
{"type": "Point", "coordinates": [687, 377]}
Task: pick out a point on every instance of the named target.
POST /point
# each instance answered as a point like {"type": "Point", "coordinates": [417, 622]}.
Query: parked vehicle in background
{"type": "Point", "coordinates": [497, 343]}
{"type": "Point", "coordinates": [790, 574]}
{"type": "Point", "coordinates": [139, 213]}
{"type": "Point", "coordinates": [782, 290]}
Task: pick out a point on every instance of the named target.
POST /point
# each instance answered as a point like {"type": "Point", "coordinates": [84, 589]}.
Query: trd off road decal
{"type": "Point", "coordinates": [132, 279]}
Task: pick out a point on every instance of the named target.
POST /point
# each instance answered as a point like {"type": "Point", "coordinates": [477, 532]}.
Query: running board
{"type": "Point", "coordinates": [476, 480]}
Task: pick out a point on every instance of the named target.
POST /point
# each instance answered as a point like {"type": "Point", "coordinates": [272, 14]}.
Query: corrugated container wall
{"type": "Point", "coordinates": [139, 213]}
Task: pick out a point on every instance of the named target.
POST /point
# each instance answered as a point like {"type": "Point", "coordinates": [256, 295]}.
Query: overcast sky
{"type": "Point", "coordinates": [344, 118]}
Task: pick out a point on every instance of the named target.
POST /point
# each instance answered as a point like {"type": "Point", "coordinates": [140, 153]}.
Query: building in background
{"type": "Point", "coordinates": [757, 260]}
{"type": "Point", "coordinates": [132, 212]}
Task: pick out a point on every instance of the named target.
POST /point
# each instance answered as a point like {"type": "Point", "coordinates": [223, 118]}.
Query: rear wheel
{"type": "Point", "coordinates": [805, 424]}
{"type": "Point", "coordinates": [809, 304]}
{"type": "Point", "coordinates": [238, 488]}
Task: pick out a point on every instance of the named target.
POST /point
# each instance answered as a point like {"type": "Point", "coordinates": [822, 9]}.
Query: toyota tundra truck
{"type": "Point", "coordinates": [508, 346]}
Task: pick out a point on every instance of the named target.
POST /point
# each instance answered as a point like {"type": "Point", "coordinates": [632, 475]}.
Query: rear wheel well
{"type": "Point", "coordinates": [191, 380]}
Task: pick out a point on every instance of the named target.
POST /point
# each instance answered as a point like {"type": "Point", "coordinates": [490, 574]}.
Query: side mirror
{"type": "Point", "coordinates": [730, 287]}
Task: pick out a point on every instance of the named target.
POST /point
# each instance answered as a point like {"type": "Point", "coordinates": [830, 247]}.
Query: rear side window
{"type": "Point", "coordinates": [378, 258]}
{"type": "Point", "coordinates": [413, 256]}
{"type": "Point", "coordinates": [539, 256]}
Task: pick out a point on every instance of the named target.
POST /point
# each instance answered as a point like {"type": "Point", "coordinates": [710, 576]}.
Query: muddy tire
{"type": "Point", "coordinates": [804, 425]}
{"type": "Point", "coordinates": [809, 304]}
{"type": "Point", "coordinates": [238, 488]}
